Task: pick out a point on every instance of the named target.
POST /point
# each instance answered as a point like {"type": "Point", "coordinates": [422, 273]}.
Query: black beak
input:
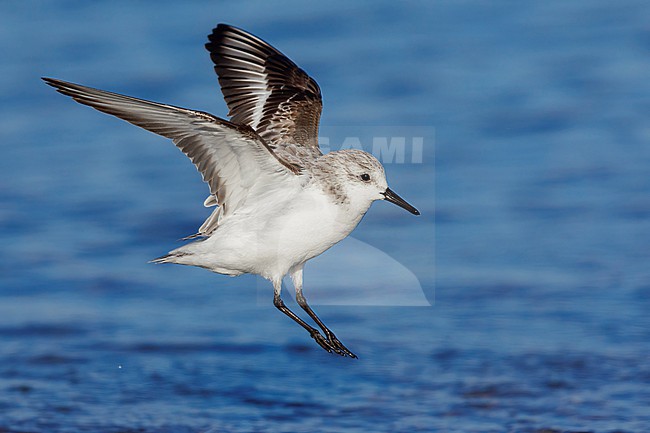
{"type": "Point", "coordinates": [399, 201]}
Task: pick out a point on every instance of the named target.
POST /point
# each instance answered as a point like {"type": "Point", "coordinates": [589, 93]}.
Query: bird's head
{"type": "Point", "coordinates": [362, 180]}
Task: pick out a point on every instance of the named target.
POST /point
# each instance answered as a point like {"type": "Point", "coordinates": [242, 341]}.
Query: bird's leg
{"type": "Point", "coordinates": [331, 338]}
{"type": "Point", "coordinates": [296, 277]}
{"type": "Point", "coordinates": [279, 304]}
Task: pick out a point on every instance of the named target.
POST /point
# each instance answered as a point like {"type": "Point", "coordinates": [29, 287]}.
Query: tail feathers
{"type": "Point", "coordinates": [185, 255]}
{"type": "Point", "coordinates": [168, 258]}
{"type": "Point", "coordinates": [190, 259]}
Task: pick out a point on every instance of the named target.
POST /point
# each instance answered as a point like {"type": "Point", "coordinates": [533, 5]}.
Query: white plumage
{"type": "Point", "coordinates": [280, 201]}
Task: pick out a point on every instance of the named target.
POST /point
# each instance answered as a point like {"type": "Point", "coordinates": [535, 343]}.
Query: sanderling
{"type": "Point", "coordinates": [280, 201]}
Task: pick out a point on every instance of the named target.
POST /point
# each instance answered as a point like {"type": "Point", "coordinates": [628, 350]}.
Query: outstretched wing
{"type": "Point", "coordinates": [231, 158]}
{"type": "Point", "coordinates": [264, 89]}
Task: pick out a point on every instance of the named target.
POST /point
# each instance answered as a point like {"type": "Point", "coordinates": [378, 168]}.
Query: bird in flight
{"type": "Point", "coordinates": [279, 201]}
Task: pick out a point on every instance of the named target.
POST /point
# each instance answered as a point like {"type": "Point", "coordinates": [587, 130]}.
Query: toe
{"type": "Point", "coordinates": [339, 347]}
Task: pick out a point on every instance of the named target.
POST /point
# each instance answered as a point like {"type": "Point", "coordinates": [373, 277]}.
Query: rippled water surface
{"type": "Point", "coordinates": [517, 302]}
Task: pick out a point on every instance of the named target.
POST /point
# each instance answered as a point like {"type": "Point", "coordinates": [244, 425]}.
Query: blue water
{"type": "Point", "coordinates": [533, 251]}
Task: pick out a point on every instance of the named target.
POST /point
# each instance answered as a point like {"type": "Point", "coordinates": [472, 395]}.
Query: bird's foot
{"type": "Point", "coordinates": [338, 347]}
{"type": "Point", "coordinates": [322, 341]}
{"type": "Point", "coordinates": [331, 344]}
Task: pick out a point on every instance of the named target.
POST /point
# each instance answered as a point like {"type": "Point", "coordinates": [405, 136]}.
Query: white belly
{"type": "Point", "coordinates": [270, 243]}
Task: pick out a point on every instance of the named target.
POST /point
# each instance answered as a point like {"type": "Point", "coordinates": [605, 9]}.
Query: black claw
{"type": "Point", "coordinates": [332, 344]}
{"type": "Point", "coordinates": [339, 347]}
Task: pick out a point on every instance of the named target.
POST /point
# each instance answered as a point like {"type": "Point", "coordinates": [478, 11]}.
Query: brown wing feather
{"type": "Point", "coordinates": [264, 89]}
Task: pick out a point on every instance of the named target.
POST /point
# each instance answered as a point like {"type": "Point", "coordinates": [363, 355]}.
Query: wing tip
{"type": "Point", "coordinates": [63, 87]}
{"type": "Point", "coordinates": [219, 33]}
{"type": "Point", "coordinates": [54, 82]}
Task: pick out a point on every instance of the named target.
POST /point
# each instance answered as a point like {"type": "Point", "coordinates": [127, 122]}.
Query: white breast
{"type": "Point", "coordinates": [285, 233]}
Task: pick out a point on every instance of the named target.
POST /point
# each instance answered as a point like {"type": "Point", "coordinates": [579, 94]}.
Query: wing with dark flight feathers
{"type": "Point", "coordinates": [264, 89]}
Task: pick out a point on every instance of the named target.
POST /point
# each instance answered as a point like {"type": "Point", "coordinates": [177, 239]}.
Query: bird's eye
{"type": "Point", "coordinates": [365, 177]}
